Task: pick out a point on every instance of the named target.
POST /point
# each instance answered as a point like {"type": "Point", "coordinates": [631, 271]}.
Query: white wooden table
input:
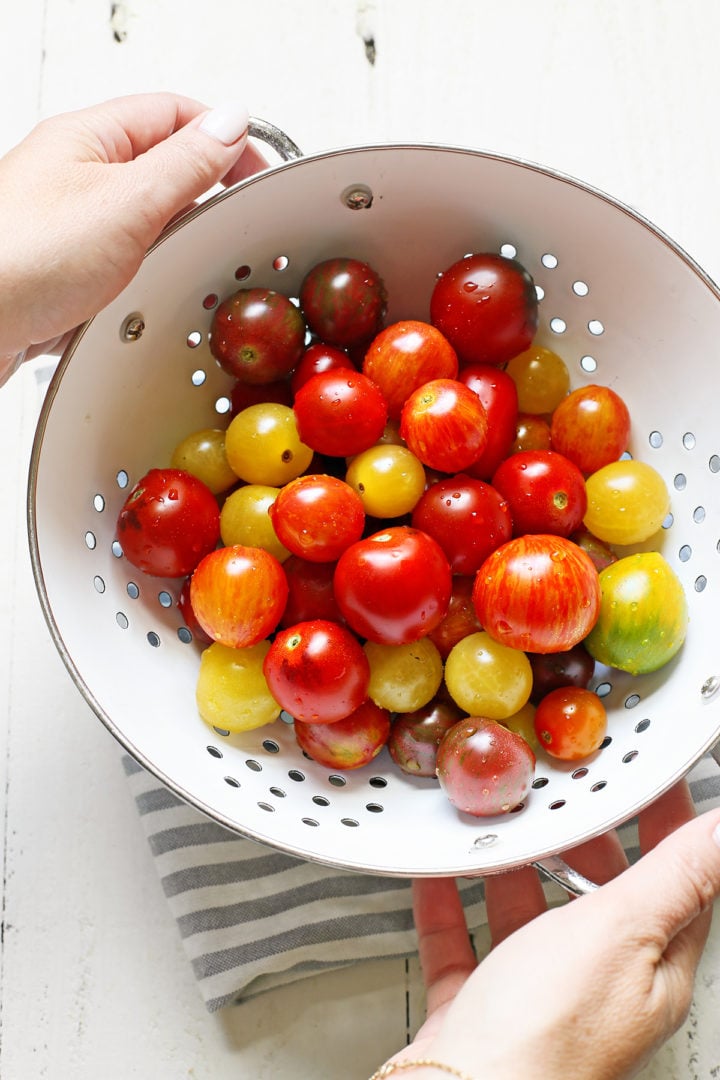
{"type": "Point", "coordinates": [94, 982]}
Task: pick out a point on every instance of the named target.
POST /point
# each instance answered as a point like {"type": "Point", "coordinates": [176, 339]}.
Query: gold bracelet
{"type": "Point", "coordinates": [395, 1066]}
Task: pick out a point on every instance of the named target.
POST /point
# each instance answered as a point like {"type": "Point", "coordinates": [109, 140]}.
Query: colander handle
{"type": "Point", "coordinates": [276, 139]}
{"type": "Point", "coordinates": [557, 870]}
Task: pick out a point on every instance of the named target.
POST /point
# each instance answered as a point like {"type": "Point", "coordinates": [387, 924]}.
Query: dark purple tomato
{"type": "Point", "coordinates": [257, 335]}
{"type": "Point", "coordinates": [343, 301]}
{"type": "Point", "coordinates": [415, 737]}
{"type": "Point", "coordinates": [575, 667]}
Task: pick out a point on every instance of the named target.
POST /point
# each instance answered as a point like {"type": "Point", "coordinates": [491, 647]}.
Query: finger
{"type": "Point", "coordinates": [512, 899]}
{"type": "Point", "coordinates": [673, 884]}
{"type": "Point", "coordinates": [446, 953]}
{"type": "Point", "coordinates": [251, 161]}
{"type": "Point", "coordinates": [665, 815]}
{"type": "Point", "coordinates": [600, 859]}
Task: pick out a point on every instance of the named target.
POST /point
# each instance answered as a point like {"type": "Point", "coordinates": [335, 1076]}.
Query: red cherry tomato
{"type": "Point", "coordinates": [168, 523]}
{"type": "Point", "coordinates": [310, 592]}
{"type": "Point", "coordinates": [186, 610]}
{"type": "Point", "coordinates": [343, 301]}
{"type": "Point", "coordinates": [487, 308]}
{"type": "Point", "coordinates": [257, 335]}
{"type": "Point", "coordinates": [317, 671]}
{"type": "Point", "coordinates": [484, 768]}
{"type": "Point", "coordinates": [467, 517]}
{"type": "Point", "coordinates": [393, 587]}
{"type": "Point", "coordinates": [445, 425]}
{"type": "Point", "coordinates": [544, 490]}
{"type": "Point", "coordinates": [340, 413]}
{"type": "Point", "coordinates": [537, 593]}
{"type": "Point", "coordinates": [317, 358]}
{"type": "Point", "coordinates": [498, 393]}
{"type": "Point", "coordinates": [460, 618]}
{"type": "Point", "coordinates": [348, 743]}
{"type": "Point", "coordinates": [317, 516]}
{"type": "Point", "coordinates": [591, 426]}
{"type": "Point", "coordinates": [570, 723]}
{"type": "Point", "coordinates": [531, 433]}
{"type": "Point", "coordinates": [406, 355]}
{"type": "Point", "coordinates": [238, 594]}
{"type": "Point", "coordinates": [243, 395]}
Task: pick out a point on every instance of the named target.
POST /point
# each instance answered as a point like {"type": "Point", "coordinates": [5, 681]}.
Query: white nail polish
{"type": "Point", "coordinates": [226, 123]}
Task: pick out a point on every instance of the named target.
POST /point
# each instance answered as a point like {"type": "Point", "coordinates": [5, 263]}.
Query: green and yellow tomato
{"type": "Point", "coordinates": [643, 614]}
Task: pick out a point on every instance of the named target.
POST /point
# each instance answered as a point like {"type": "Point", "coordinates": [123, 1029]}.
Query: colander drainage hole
{"type": "Point", "coordinates": [213, 751]}
{"type": "Point", "coordinates": [122, 620]}
{"type": "Point", "coordinates": [606, 742]}
{"type": "Point", "coordinates": [210, 301]}
{"type": "Point", "coordinates": [588, 364]}
{"type": "Point", "coordinates": [337, 781]}
{"type": "Point", "coordinates": [153, 639]}
{"type": "Point", "coordinates": [549, 260]}
{"type": "Point", "coordinates": [165, 599]}
{"type": "Point", "coordinates": [580, 288]}
{"type": "Point", "coordinates": [320, 800]}
{"type": "Point", "coordinates": [121, 478]}
{"type": "Point", "coordinates": [132, 590]}
{"type": "Point", "coordinates": [198, 377]}
{"type": "Point", "coordinates": [580, 773]}
{"type": "Point", "coordinates": [90, 540]}
{"type": "Point", "coordinates": [599, 785]}
{"type": "Point", "coordinates": [540, 782]}
{"type": "Point", "coordinates": [296, 775]}
{"type": "Point", "coordinates": [99, 584]}
{"type": "Point", "coordinates": [184, 635]}
{"type": "Point", "coordinates": [350, 822]}
{"type": "Point", "coordinates": [508, 250]}
{"type": "Point", "coordinates": [374, 807]}
{"type": "Point", "coordinates": [685, 553]}
{"type": "Point", "coordinates": [281, 262]}
{"type": "Point", "coordinates": [231, 781]}
{"type": "Point", "coordinates": [271, 746]}
{"type": "Point", "coordinates": [193, 339]}
{"type": "Point", "coordinates": [632, 700]}
{"type": "Point", "coordinates": [116, 549]}
{"type": "Point", "coordinates": [377, 782]}
{"type": "Point", "coordinates": [688, 440]}
{"type": "Point", "coordinates": [557, 805]}
{"type": "Point", "coordinates": [714, 463]}
{"type": "Point", "coordinates": [266, 806]}
{"type": "Point", "coordinates": [277, 792]}
{"type": "Point", "coordinates": [310, 821]}
{"type": "Point", "coordinates": [595, 327]}
{"type": "Point", "coordinates": [242, 273]}
{"type": "Point", "coordinates": [253, 765]}
{"type": "Point", "coordinates": [680, 481]}
{"type": "Point", "coordinates": [99, 503]}
{"type": "Point", "coordinates": [558, 325]}
{"type": "Point", "coordinates": [630, 756]}
{"type": "Point", "coordinates": [642, 726]}
{"type": "Point", "coordinates": [655, 439]}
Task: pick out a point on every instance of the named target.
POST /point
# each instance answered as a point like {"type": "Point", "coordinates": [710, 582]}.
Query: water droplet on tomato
{"type": "Point", "coordinates": [470, 286]}
{"type": "Point", "coordinates": [172, 494]}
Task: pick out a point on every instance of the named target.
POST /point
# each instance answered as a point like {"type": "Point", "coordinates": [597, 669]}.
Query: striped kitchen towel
{"type": "Point", "coordinates": [252, 918]}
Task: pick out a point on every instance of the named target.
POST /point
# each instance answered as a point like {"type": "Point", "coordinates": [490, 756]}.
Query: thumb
{"type": "Point", "coordinates": [672, 889]}
{"type": "Point", "coordinates": [185, 165]}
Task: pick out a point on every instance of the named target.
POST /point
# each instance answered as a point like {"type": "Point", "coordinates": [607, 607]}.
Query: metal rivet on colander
{"type": "Point", "coordinates": [357, 197]}
{"type": "Point", "coordinates": [710, 686]}
{"type": "Point", "coordinates": [132, 328]}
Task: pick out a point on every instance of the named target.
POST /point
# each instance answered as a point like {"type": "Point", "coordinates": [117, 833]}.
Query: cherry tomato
{"type": "Point", "coordinates": [467, 517]}
{"type": "Point", "coordinates": [574, 667]}
{"type": "Point", "coordinates": [318, 671]}
{"type": "Point", "coordinates": [570, 723]}
{"type": "Point", "coordinates": [487, 308]}
{"type": "Point", "coordinates": [539, 593]}
{"type": "Point", "coordinates": [238, 594]}
{"type": "Point", "coordinates": [522, 723]}
{"type": "Point", "coordinates": [445, 425]}
{"type": "Point", "coordinates": [349, 743]}
{"type": "Point", "coordinates": [244, 519]}
{"type": "Point", "coordinates": [394, 586]}
{"type": "Point", "coordinates": [317, 517]}
{"type": "Point", "coordinates": [388, 478]}
{"type": "Point", "coordinates": [405, 356]}
{"type": "Point", "coordinates": [202, 453]}
{"type": "Point", "coordinates": [310, 592]}
{"type": "Point", "coordinates": [257, 335]}
{"type": "Point", "coordinates": [643, 614]}
{"type": "Point", "coordinates": [316, 359]}
{"type": "Point", "coordinates": [343, 301]}
{"type": "Point", "coordinates": [486, 678]}
{"type": "Point", "coordinates": [340, 413]}
{"type": "Point", "coordinates": [243, 395]}
{"type": "Point", "coordinates": [460, 619]}
{"type": "Point", "coordinates": [168, 523]}
{"type": "Point", "coordinates": [484, 768]}
{"type": "Point", "coordinates": [541, 377]}
{"type": "Point", "coordinates": [545, 492]}
{"type": "Point", "coordinates": [186, 610]}
{"type": "Point", "coordinates": [263, 445]}
{"type": "Point", "coordinates": [591, 427]}
{"type": "Point", "coordinates": [498, 394]}
{"type": "Point", "coordinates": [627, 502]}
{"type": "Point", "coordinates": [600, 553]}
{"type": "Point", "coordinates": [415, 736]}
{"type": "Point", "coordinates": [231, 691]}
{"type": "Point", "coordinates": [531, 433]}
{"type": "Point", "coordinates": [403, 678]}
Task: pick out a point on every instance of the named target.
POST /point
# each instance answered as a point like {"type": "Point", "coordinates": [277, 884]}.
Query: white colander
{"type": "Point", "coordinates": [620, 302]}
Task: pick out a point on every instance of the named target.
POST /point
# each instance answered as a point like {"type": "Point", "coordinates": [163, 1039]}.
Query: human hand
{"type": "Point", "coordinates": [86, 193]}
{"type": "Point", "coordinates": [590, 989]}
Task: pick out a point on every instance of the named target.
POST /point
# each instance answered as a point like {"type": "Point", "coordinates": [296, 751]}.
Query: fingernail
{"type": "Point", "coordinates": [227, 123]}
